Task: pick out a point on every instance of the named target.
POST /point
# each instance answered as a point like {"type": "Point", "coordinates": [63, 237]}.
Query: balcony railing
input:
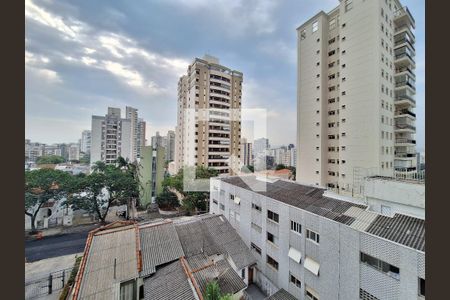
{"type": "Point", "coordinates": [404, 126]}
{"type": "Point", "coordinates": [404, 54]}
{"type": "Point", "coordinates": [400, 28]}
{"type": "Point", "coordinates": [403, 97]}
{"type": "Point", "coordinates": [404, 154]}
{"type": "Point", "coordinates": [405, 69]}
{"type": "Point", "coordinates": [405, 112]}
{"type": "Point", "coordinates": [403, 83]}
{"type": "Point", "coordinates": [404, 11]}
{"type": "Point", "coordinates": [405, 141]}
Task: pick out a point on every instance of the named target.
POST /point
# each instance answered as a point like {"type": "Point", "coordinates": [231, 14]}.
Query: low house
{"type": "Point", "coordinates": [171, 259]}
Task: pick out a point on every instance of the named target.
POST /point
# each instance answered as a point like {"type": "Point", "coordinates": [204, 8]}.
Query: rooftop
{"type": "Point", "coordinates": [406, 230]}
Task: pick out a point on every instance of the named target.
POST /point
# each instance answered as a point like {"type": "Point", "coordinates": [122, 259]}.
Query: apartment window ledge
{"type": "Point", "coordinates": [272, 221]}
{"type": "Point", "coordinates": [272, 244]}
{"type": "Point", "coordinates": [312, 241]}
{"type": "Point", "coordinates": [297, 233]}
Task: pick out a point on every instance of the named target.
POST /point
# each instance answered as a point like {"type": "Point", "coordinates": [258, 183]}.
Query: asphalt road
{"type": "Point", "coordinates": [57, 245]}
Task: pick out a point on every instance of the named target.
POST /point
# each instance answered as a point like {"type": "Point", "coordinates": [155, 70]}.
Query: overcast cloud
{"type": "Point", "coordinates": [83, 56]}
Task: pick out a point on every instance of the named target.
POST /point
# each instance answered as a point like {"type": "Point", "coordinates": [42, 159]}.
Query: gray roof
{"type": "Point", "coordinates": [169, 283]}
{"type": "Point", "coordinates": [205, 271]}
{"type": "Point", "coordinates": [282, 294]}
{"type": "Point", "coordinates": [195, 238]}
{"type": "Point", "coordinates": [229, 240]}
{"type": "Point", "coordinates": [118, 244]}
{"type": "Point", "coordinates": [159, 245]}
{"type": "Point", "coordinates": [406, 230]}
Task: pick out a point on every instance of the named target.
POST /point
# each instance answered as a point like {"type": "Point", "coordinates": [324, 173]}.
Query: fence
{"type": "Point", "coordinates": [46, 285]}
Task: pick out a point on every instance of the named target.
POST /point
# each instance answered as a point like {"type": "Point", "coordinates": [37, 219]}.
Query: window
{"type": "Point", "coordinates": [273, 216]}
{"type": "Point", "coordinates": [313, 236]}
{"type": "Point", "coordinates": [343, 25]}
{"type": "Point", "coordinates": [315, 26]}
{"type": "Point", "coordinates": [256, 207]}
{"type": "Point", "coordinates": [331, 52]}
{"type": "Point", "coordinates": [380, 265]}
{"type": "Point", "coordinates": [271, 238]}
{"type": "Point", "coordinates": [303, 34]}
{"type": "Point", "coordinates": [231, 197]}
{"type": "Point", "coordinates": [296, 227]}
{"type": "Point", "coordinates": [272, 262]}
{"type": "Point", "coordinates": [295, 281]}
{"type": "Point", "coordinates": [348, 5]}
{"type": "Point", "coordinates": [222, 207]}
{"type": "Point", "coordinates": [421, 287]}
{"type": "Point", "coordinates": [311, 294]}
{"type": "Point", "coordinates": [256, 227]}
{"type": "Point", "coordinates": [255, 248]}
{"type": "Point", "coordinates": [332, 23]}
{"type": "Point", "coordinates": [215, 201]}
{"type": "Point", "coordinates": [128, 290]}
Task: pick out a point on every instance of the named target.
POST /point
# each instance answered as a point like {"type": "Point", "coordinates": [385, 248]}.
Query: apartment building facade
{"type": "Point", "coordinates": [111, 137]}
{"type": "Point", "coordinates": [355, 94]}
{"type": "Point", "coordinates": [208, 128]}
{"type": "Point", "coordinates": [85, 142]}
{"type": "Point", "coordinates": [316, 247]}
{"type": "Point", "coordinates": [246, 153]}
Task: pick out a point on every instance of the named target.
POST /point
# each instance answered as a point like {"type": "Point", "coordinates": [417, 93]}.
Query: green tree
{"type": "Point", "coordinates": [41, 186]}
{"type": "Point", "coordinates": [86, 159]}
{"type": "Point", "coordinates": [99, 190]}
{"type": "Point", "coordinates": [50, 159]}
{"type": "Point", "coordinates": [191, 200]}
{"type": "Point", "coordinates": [213, 292]}
{"type": "Point", "coordinates": [167, 199]}
{"type": "Point", "coordinates": [99, 166]}
{"type": "Point", "coordinates": [280, 167]}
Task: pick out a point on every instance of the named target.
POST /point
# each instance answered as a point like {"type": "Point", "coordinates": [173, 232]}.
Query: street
{"type": "Point", "coordinates": [56, 245]}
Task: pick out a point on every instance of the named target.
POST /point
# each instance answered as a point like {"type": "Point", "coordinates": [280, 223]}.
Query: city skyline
{"type": "Point", "coordinates": [86, 63]}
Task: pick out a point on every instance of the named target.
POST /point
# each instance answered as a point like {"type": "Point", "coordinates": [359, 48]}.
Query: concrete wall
{"type": "Point", "coordinates": [400, 196]}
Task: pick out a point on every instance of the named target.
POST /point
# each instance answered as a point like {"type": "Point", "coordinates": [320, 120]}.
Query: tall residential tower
{"type": "Point", "coordinates": [208, 129]}
{"type": "Point", "coordinates": [355, 93]}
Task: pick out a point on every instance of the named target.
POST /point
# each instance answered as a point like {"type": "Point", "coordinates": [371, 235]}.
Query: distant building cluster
{"type": "Point", "coordinates": [167, 142]}
{"type": "Point", "coordinates": [35, 150]}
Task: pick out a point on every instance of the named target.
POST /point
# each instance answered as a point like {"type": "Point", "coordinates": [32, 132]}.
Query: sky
{"type": "Point", "coordinates": [83, 56]}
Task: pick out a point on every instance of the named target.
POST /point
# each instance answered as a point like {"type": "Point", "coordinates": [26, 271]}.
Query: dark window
{"type": "Point", "coordinates": [256, 207]}
{"type": "Point", "coordinates": [271, 238]}
{"type": "Point", "coordinates": [273, 216]}
{"type": "Point", "coordinates": [272, 262]}
{"type": "Point", "coordinates": [422, 287]}
{"type": "Point", "coordinates": [296, 227]}
{"type": "Point", "coordinates": [243, 274]}
{"type": "Point", "coordinates": [295, 281]}
{"type": "Point", "coordinates": [313, 236]}
{"type": "Point", "coordinates": [380, 265]}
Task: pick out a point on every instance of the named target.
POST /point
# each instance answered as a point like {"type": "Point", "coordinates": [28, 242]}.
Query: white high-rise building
{"type": "Point", "coordinates": [170, 145]}
{"type": "Point", "coordinates": [246, 153]}
{"type": "Point", "coordinates": [85, 142]}
{"type": "Point", "coordinates": [260, 146]}
{"type": "Point", "coordinates": [211, 141]}
{"type": "Point", "coordinates": [355, 94]}
{"type": "Point", "coordinates": [111, 137]}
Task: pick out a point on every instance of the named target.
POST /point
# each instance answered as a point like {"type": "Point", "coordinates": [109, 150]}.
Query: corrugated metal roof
{"type": "Point", "coordinates": [362, 218]}
{"type": "Point", "coordinates": [228, 280]}
{"type": "Point", "coordinates": [405, 230]}
{"type": "Point", "coordinates": [98, 280]}
{"type": "Point", "coordinates": [195, 238]}
{"type": "Point", "coordinates": [402, 229]}
{"type": "Point", "coordinates": [281, 294]}
{"type": "Point", "coordinates": [169, 283]}
{"type": "Point", "coordinates": [229, 240]}
{"type": "Point", "coordinates": [159, 245]}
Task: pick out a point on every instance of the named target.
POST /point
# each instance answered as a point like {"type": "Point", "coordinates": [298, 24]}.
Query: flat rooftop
{"type": "Point", "coordinates": [406, 230]}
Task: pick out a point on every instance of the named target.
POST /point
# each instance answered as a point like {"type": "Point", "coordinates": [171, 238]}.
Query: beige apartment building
{"type": "Point", "coordinates": [208, 131]}
{"type": "Point", "coordinates": [355, 94]}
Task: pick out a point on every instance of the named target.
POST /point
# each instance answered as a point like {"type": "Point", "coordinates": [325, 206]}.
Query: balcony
{"type": "Point", "coordinates": [403, 28]}
{"type": "Point", "coordinates": [404, 59]}
{"type": "Point", "coordinates": [404, 71]}
{"type": "Point", "coordinates": [404, 142]}
{"type": "Point", "coordinates": [404, 127]}
{"type": "Point", "coordinates": [403, 17]}
{"type": "Point", "coordinates": [404, 100]}
{"type": "Point", "coordinates": [404, 113]}
{"type": "Point", "coordinates": [404, 84]}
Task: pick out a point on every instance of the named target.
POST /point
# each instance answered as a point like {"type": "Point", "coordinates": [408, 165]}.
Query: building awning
{"type": "Point", "coordinates": [237, 200]}
{"type": "Point", "coordinates": [312, 265]}
{"type": "Point", "coordinates": [295, 254]}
